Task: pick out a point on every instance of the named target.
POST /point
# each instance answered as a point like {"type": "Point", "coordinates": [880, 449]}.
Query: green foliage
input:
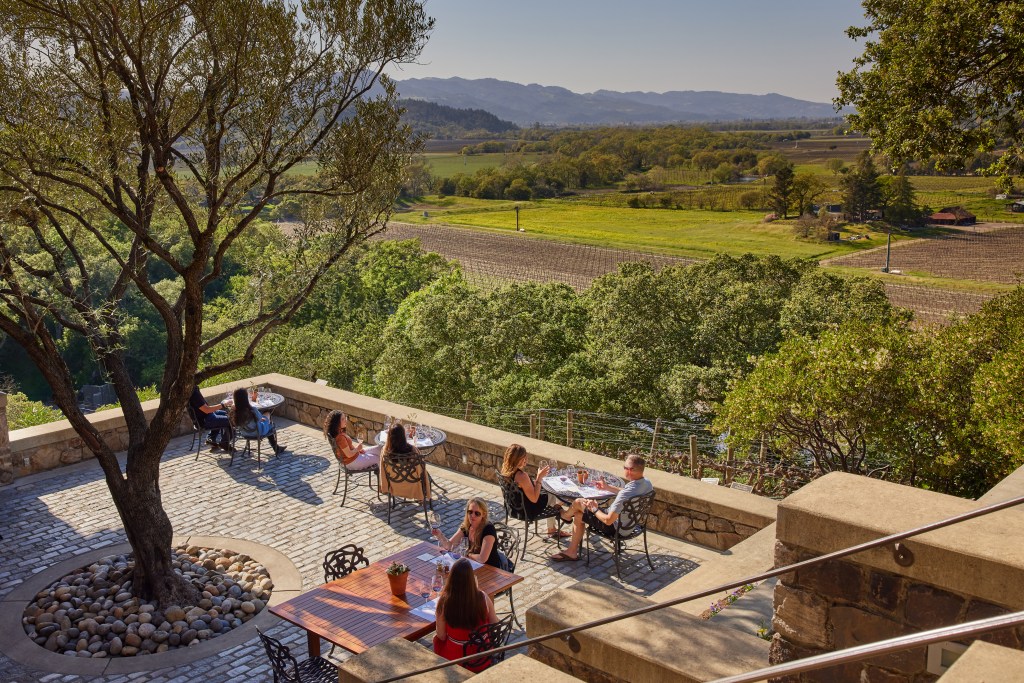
{"type": "Point", "coordinates": [862, 191]}
{"type": "Point", "coordinates": [781, 193]}
{"type": "Point", "coordinates": [939, 409]}
{"type": "Point", "coordinates": [145, 394]}
{"type": "Point", "coordinates": [23, 412]}
{"type": "Point", "coordinates": [939, 79]}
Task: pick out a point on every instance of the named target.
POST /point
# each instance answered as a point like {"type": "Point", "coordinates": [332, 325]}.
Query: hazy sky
{"type": "Point", "coordinates": [792, 47]}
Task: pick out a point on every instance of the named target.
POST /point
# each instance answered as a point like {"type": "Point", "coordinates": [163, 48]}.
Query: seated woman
{"type": "Point", "coordinates": [480, 534]}
{"type": "Point", "coordinates": [535, 500]}
{"type": "Point", "coordinates": [250, 422]}
{"type": "Point", "coordinates": [461, 608]}
{"type": "Point", "coordinates": [396, 447]}
{"type": "Point", "coordinates": [354, 454]}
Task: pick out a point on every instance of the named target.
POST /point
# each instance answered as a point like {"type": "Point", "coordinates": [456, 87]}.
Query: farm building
{"type": "Point", "coordinates": [953, 215]}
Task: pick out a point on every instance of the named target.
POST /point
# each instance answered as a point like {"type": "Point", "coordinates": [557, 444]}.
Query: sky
{"type": "Point", "coordinates": [790, 47]}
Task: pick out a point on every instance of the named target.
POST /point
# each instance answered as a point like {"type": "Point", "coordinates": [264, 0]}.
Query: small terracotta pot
{"type": "Point", "coordinates": [398, 583]}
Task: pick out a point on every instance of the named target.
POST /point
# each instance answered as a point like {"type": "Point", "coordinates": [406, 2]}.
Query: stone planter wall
{"type": "Point", "coordinates": [958, 574]}
{"type": "Point", "coordinates": [712, 516]}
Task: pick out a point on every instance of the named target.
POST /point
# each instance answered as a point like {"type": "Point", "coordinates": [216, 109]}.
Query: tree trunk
{"type": "Point", "coordinates": [149, 531]}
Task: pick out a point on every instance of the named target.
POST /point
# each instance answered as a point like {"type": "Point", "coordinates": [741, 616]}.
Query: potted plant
{"type": "Point", "coordinates": [398, 577]}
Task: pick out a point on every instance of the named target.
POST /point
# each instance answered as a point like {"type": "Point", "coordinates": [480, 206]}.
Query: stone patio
{"type": "Point", "coordinates": [288, 506]}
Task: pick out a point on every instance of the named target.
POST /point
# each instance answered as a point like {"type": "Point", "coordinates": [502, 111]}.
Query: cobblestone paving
{"type": "Point", "coordinates": [288, 506]}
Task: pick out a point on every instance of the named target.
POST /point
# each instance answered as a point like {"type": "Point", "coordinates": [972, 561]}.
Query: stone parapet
{"type": "Point", "coordinates": [712, 516]}
{"type": "Point", "coordinates": [662, 646]}
{"type": "Point", "coordinates": [986, 662]}
{"type": "Point", "coordinates": [956, 574]}
{"type": "Point", "coordinates": [394, 658]}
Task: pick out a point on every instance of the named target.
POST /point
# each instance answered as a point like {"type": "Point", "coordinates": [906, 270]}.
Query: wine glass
{"type": "Point", "coordinates": [434, 520]}
{"type": "Point", "coordinates": [570, 472]}
{"type": "Point", "coordinates": [464, 547]}
{"type": "Point", "coordinates": [437, 585]}
{"type": "Point", "coordinates": [583, 474]}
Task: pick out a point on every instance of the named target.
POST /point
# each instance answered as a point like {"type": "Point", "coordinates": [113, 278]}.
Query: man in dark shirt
{"type": "Point", "coordinates": [214, 418]}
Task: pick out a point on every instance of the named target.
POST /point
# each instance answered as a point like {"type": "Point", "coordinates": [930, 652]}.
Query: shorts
{"type": "Point", "coordinates": [596, 525]}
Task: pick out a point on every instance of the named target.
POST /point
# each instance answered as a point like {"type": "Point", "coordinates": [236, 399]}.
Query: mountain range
{"type": "Point", "coordinates": [553, 105]}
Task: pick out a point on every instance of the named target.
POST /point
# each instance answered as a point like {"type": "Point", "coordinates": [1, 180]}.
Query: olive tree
{"type": "Point", "coordinates": [139, 142]}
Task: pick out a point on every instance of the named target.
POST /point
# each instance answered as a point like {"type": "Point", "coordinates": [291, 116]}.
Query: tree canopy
{"type": "Point", "coordinates": [138, 145]}
{"type": "Point", "coordinates": [940, 79]}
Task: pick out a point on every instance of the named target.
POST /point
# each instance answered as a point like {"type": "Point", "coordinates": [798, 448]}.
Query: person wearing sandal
{"type": "Point", "coordinates": [586, 511]}
{"type": "Point", "coordinates": [535, 500]}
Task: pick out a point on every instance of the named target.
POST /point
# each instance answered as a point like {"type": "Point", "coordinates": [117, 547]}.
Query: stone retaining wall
{"type": "Point", "coordinates": [960, 573]}
{"type": "Point", "coordinates": [712, 516]}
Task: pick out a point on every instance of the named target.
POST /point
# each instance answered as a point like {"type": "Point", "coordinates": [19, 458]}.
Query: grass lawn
{"type": "Point", "coordinates": [693, 233]}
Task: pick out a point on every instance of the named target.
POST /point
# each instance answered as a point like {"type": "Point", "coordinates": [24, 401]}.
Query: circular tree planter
{"type": "Point", "coordinates": [16, 644]}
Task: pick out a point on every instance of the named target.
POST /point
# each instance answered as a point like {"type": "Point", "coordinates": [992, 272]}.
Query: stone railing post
{"type": "Point", "coordinates": [6, 467]}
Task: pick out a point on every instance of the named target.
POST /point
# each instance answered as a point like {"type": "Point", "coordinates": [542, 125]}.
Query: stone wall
{"type": "Point", "coordinates": [665, 645]}
{"type": "Point", "coordinates": [961, 573]}
{"type": "Point", "coordinates": [6, 467]}
{"type": "Point", "coordinates": [712, 516]}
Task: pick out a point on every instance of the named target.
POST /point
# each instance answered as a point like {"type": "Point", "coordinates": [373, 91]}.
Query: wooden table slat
{"type": "Point", "coordinates": [358, 611]}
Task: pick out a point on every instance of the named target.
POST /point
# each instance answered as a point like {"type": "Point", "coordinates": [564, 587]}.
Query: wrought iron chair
{"type": "Point", "coordinates": [199, 430]}
{"type": "Point", "coordinates": [342, 562]}
{"type": "Point", "coordinates": [405, 476]}
{"type": "Point", "coordinates": [632, 522]}
{"type": "Point", "coordinates": [250, 435]}
{"type": "Point", "coordinates": [485, 638]}
{"type": "Point", "coordinates": [515, 508]}
{"type": "Point", "coordinates": [288, 670]}
{"type": "Point", "coordinates": [343, 469]}
{"type": "Point", "coordinates": [508, 543]}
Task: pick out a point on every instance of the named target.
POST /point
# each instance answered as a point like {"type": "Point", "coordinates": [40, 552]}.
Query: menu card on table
{"type": "Point", "coordinates": [427, 611]}
{"type": "Point", "coordinates": [562, 484]}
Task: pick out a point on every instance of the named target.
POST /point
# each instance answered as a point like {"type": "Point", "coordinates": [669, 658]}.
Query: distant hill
{"type": "Point", "coordinates": [439, 120]}
{"type": "Point", "coordinates": [551, 105]}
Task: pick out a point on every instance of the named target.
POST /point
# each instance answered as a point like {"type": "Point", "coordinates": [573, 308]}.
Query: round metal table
{"type": "Point", "coordinates": [566, 490]}
{"type": "Point", "coordinates": [426, 440]}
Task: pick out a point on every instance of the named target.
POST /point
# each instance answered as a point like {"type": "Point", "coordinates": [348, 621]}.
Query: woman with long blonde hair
{"type": "Point", "coordinates": [534, 499]}
{"type": "Point", "coordinates": [461, 608]}
{"type": "Point", "coordinates": [478, 531]}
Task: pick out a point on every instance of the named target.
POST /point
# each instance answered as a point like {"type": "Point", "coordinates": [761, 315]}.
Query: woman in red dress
{"type": "Point", "coordinates": [461, 608]}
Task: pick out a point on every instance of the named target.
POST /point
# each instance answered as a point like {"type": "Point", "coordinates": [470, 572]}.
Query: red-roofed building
{"type": "Point", "coordinates": [953, 215]}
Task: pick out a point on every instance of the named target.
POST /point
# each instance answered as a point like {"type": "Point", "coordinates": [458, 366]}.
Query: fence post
{"type": "Point", "coordinates": [469, 409]}
{"type": "Point", "coordinates": [568, 428]}
{"type": "Point", "coordinates": [761, 453]}
{"type": "Point", "coordinates": [693, 453]}
{"type": "Point", "coordinates": [654, 439]}
{"type": "Point", "coordinates": [728, 465]}
{"type": "Point", "coordinates": [533, 425]}
{"type": "Point", "coordinates": [540, 427]}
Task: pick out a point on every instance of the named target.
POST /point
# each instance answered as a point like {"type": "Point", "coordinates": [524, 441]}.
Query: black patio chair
{"type": "Point", "coordinates": [199, 431]}
{"type": "Point", "coordinates": [515, 508]}
{"type": "Point", "coordinates": [250, 435]}
{"type": "Point", "coordinates": [351, 474]}
{"type": "Point", "coordinates": [508, 543]}
{"type": "Point", "coordinates": [405, 477]}
{"type": "Point", "coordinates": [632, 522]}
{"type": "Point", "coordinates": [342, 562]}
{"type": "Point", "coordinates": [485, 638]}
{"type": "Point", "coordinates": [288, 670]}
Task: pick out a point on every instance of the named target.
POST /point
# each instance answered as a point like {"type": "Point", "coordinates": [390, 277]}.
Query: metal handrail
{"type": "Point", "coordinates": [881, 647]}
{"type": "Point", "coordinates": [567, 633]}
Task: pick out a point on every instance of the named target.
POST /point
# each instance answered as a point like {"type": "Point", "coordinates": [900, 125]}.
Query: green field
{"type": "Point", "coordinates": [681, 233]}
{"type": "Point", "coordinates": [445, 165]}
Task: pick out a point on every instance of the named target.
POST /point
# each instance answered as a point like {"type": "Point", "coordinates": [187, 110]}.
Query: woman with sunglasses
{"type": "Point", "coordinates": [479, 532]}
{"type": "Point", "coordinates": [461, 608]}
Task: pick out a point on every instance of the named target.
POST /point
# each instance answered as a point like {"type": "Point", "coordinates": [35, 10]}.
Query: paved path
{"type": "Point", "coordinates": [50, 517]}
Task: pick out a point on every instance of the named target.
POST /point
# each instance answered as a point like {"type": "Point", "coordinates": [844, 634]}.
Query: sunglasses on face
{"type": "Point", "coordinates": [474, 513]}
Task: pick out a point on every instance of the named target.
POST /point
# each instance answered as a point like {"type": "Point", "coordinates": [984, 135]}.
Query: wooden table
{"type": "Point", "coordinates": [358, 611]}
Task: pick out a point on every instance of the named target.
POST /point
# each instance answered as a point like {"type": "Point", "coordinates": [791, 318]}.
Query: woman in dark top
{"type": "Point", "coordinates": [481, 534]}
{"type": "Point", "coordinates": [534, 499]}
